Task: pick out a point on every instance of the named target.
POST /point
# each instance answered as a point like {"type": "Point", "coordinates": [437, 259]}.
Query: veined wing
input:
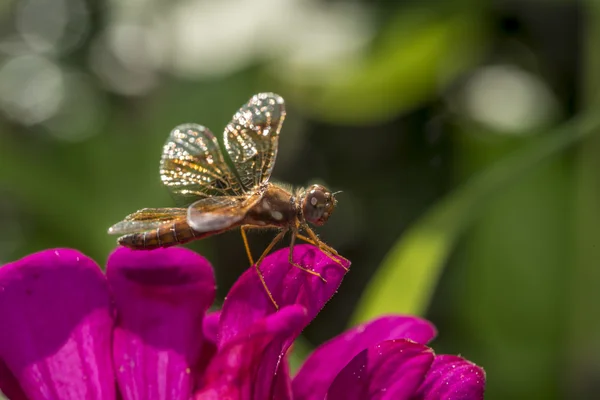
{"type": "Point", "coordinates": [251, 138]}
{"type": "Point", "coordinates": [192, 165]}
{"type": "Point", "coordinates": [147, 219]}
{"type": "Point", "coordinates": [216, 213]}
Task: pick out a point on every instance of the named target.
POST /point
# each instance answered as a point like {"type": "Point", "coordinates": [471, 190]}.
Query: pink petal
{"type": "Point", "coordinates": [453, 378]}
{"type": "Point", "coordinates": [160, 297]}
{"type": "Point", "coordinates": [248, 302]}
{"type": "Point", "coordinates": [56, 335]}
{"type": "Point", "coordinates": [322, 366]}
{"type": "Point", "coordinates": [282, 389]}
{"type": "Point", "coordinates": [246, 367]}
{"type": "Point", "coordinates": [391, 370]}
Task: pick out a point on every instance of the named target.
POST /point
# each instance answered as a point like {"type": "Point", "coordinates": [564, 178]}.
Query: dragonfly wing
{"type": "Point", "coordinates": [147, 219]}
{"type": "Point", "coordinates": [251, 138]}
{"type": "Point", "coordinates": [193, 167]}
{"type": "Point", "coordinates": [217, 213]}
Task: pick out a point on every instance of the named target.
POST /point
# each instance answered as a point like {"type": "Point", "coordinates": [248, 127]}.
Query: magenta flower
{"type": "Point", "coordinates": [142, 332]}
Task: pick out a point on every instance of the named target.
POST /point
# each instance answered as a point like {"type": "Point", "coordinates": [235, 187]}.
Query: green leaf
{"type": "Point", "coordinates": [405, 281]}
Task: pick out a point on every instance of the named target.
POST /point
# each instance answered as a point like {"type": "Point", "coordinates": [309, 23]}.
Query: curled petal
{"type": "Point", "coordinates": [322, 366]}
{"type": "Point", "coordinates": [391, 370]}
{"type": "Point", "coordinates": [56, 327]}
{"type": "Point", "coordinates": [453, 378]}
{"type": "Point", "coordinates": [160, 298]}
{"type": "Point", "coordinates": [246, 367]}
{"type": "Point", "coordinates": [247, 302]}
{"type": "Point", "coordinates": [211, 326]}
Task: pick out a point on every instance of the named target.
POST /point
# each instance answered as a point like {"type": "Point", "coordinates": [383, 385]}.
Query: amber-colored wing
{"type": "Point", "coordinates": [147, 219]}
{"type": "Point", "coordinates": [217, 213]}
{"type": "Point", "coordinates": [251, 138]}
{"type": "Point", "coordinates": [193, 167]}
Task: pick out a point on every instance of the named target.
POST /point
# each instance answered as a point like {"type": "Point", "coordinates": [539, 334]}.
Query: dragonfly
{"type": "Point", "coordinates": [222, 196]}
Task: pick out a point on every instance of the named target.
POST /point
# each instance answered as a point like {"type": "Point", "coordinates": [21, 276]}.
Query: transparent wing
{"type": "Point", "coordinates": [147, 219]}
{"type": "Point", "coordinates": [251, 138]}
{"type": "Point", "coordinates": [192, 165]}
{"type": "Point", "coordinates": [216, 213]}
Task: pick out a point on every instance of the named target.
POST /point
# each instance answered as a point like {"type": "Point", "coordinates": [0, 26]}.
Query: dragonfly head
{"type": "Point", "coordinates": [318, 204]}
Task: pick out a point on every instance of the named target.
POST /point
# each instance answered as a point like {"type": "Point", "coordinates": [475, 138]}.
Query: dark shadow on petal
{"type": "Point", "coordinates": [210, 326]}
{"type": "Point", "coordinates": [9, 385]}
{"type": "Point", "coordinates": [171, 267]}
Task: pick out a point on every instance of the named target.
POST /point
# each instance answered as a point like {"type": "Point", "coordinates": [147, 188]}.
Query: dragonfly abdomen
{"type": "Point", "coordinates": [164, 236]}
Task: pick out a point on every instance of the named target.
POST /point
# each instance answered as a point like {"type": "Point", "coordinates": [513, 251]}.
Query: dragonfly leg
{"type": "Point", "coordinates": [291, 259]}
{"type": "Point", "coordinates": [319, 244]}
{"type": "Point", "coordinates": [275, 240]}
{"type": "Point", "coordinates": [327, 250]}
{"type": "Point", "coordinates": [243, 230]}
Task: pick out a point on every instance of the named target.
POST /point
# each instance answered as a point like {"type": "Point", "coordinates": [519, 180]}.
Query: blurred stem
{"type": "Point", "coordinates": [583, 349]}
{"type": "Point", "coordinates": [419, 255]}
{"type": "Point", "coordinates": [299, 353]}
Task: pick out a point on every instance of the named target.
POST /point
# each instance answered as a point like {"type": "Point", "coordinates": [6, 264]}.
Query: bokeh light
{"type": "Point", "coordinates": [509, 100]}
{"type": "Point", "coordinates": [31, 88]}
{"type": "Point", "coordinates": [56, 26]}
{"type": "Point", "coordinates": [82, 113]}
{"type": "Point", "coordinates": [120, 58]}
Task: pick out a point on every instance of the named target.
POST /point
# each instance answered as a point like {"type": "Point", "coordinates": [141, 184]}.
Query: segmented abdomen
{"type": "Point", "coordinates": [167, 235]}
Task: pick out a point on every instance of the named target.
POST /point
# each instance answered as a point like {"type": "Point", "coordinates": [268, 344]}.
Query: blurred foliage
{"type": "Point", "coordinates": [461, 134]}
{"type": "Point", "coordinates": [415, 55]}
{"type": "Point", "coordinates": [406, 279]}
